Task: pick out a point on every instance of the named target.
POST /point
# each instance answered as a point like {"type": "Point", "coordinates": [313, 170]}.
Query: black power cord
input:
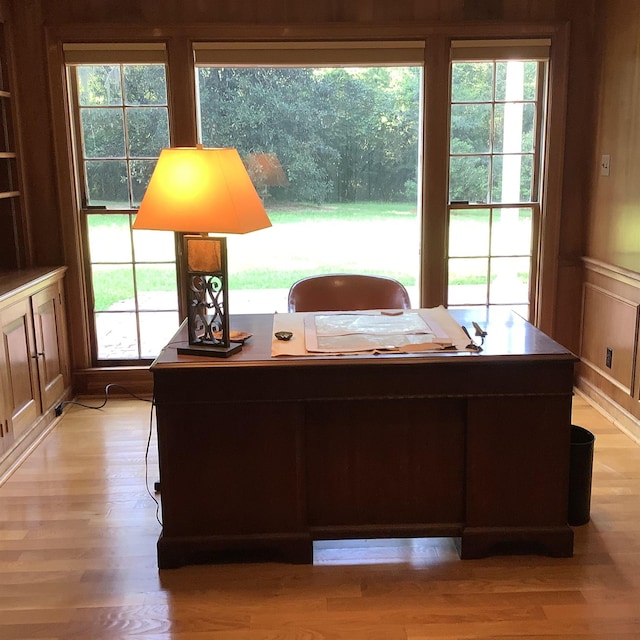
{"type": "Point", "coordinates": [61, 406]}
{"type": "Point", "coordinates": [146, 466]}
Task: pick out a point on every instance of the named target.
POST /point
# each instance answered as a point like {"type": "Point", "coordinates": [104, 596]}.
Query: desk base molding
{"type": "Point", "coordinates": [297, 548]}
{"type": "Point", "coordinates": [481, 542]}
{"type": "Point", "coordinates": [175, 552]}
{"type": "Point", "coordinates": [361, 532]}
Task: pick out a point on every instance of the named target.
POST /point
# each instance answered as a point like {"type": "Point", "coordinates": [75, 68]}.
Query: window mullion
{"type": "Point", "coordinates": [436, 116]}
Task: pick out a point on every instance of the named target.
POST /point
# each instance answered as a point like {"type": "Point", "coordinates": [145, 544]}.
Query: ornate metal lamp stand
{"type": "Point", "coordinates": [204, 262]}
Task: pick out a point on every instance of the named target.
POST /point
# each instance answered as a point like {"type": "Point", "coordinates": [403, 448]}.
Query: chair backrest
{"type": "Point", "coordinates": [347, 292]}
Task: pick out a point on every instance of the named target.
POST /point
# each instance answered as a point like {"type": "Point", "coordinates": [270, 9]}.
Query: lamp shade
{"type": "Point", "coordinates": [203, 191]}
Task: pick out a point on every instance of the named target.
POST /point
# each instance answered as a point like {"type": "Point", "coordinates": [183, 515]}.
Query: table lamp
{"type": "Point", "coordinates": [198, 191]}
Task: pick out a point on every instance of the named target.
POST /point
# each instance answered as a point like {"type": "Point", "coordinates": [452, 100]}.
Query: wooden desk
{"type": "Point", "coordinates": [260, 456]}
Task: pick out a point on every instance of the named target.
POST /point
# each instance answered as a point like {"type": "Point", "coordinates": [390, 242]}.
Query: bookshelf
{"type": "Point", "coordinates": [10, 194]}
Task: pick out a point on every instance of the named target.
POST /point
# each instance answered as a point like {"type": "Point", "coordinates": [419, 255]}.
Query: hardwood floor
{"type": "Point", "coordinates": [77, 560]}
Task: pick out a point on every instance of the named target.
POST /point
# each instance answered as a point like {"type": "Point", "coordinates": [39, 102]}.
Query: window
{"type": "Point", "coordinates": [497, 120]}
{"type": "Point", "coordinates": [122, 122]}
{"type": "Point", "coordinates": [332, 135]}
{"type": "Point", "coordinates": [334, 151]}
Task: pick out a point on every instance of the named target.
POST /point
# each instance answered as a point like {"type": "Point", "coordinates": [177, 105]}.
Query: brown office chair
{"type": "Point", "coordinates": [347, 292]}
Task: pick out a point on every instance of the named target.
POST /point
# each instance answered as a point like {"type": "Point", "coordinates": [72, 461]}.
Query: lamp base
{"type": "Point", "coordinates": [206, 350]}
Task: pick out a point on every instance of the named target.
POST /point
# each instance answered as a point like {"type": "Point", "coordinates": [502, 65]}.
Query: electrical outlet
{"type": "Point", "coordinates": [605, 165]}
{"type": "Point", "coordinates": [609, 357]}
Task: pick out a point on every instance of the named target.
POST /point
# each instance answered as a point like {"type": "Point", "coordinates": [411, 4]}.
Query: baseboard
{"type": "Point", "coordinates": [622, 419]}
{"type": "Point", "coordinates": [92, 382]}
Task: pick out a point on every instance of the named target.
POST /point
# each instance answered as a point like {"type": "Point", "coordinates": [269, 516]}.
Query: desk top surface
{"type": "Point", "coordinates": [508, 336]}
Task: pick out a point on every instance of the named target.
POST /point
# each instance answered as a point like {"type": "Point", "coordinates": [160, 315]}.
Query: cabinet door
{"type": "Point", "coordinates": [20, 366]}
{"type": "Point", "coordinates": [48, 322]}
{"type": "Point", "coordinates": [6, 437]}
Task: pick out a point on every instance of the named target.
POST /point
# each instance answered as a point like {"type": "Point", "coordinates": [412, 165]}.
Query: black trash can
{"type": "Point", "coordinates": [580, 472]}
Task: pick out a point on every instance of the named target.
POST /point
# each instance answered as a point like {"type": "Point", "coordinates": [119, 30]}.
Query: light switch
{"type": "Point", "coordinates": [605, 165]}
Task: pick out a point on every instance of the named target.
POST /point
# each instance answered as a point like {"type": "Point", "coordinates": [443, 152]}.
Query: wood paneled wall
{"type": "Point", "coordinates": [306, 11]}
{"type": "Point", "coordinates": [614, 229]}
{"type": "Point", "coordinates": [611, 323]}
{"type": "Point", "coordinates": [611, 297]}
{"type": "Point", "coordinates": [54, 238]}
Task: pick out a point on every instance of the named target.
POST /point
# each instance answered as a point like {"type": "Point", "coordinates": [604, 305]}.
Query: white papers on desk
{"type": "Point", "coordinates": [444, 327]}
{"type": "Point", "coordinates": [371, 331]}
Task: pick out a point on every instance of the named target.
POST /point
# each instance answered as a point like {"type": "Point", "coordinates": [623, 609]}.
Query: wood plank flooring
{"type": "Point", "coordinates": [78, 531]}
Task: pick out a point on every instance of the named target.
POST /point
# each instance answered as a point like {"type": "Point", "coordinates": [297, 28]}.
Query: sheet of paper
{"type": "Point", "coordinates": [343, 324]}
{"type": "Point", "coordinates": [440, 322]}
{"type": "Point", "coordinates": [366, 331]}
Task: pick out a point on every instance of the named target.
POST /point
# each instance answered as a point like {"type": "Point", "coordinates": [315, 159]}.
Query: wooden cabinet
{"type": "Point", "coordinates": [34, 368]}
{"type": "Point", "coordinates": [5, 437]}
{"type": "Point", "coordinates": [19, 363]}
{"type": "Point", "coordinates": [50, 343]}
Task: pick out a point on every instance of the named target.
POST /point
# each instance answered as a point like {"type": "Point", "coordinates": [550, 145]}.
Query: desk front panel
{"type": "Point", "coordinates": [517, 461]}
{"type": "Point", "coordinates": [231, 470]}
{"type": "Point", "coordinates": [372, 463]}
